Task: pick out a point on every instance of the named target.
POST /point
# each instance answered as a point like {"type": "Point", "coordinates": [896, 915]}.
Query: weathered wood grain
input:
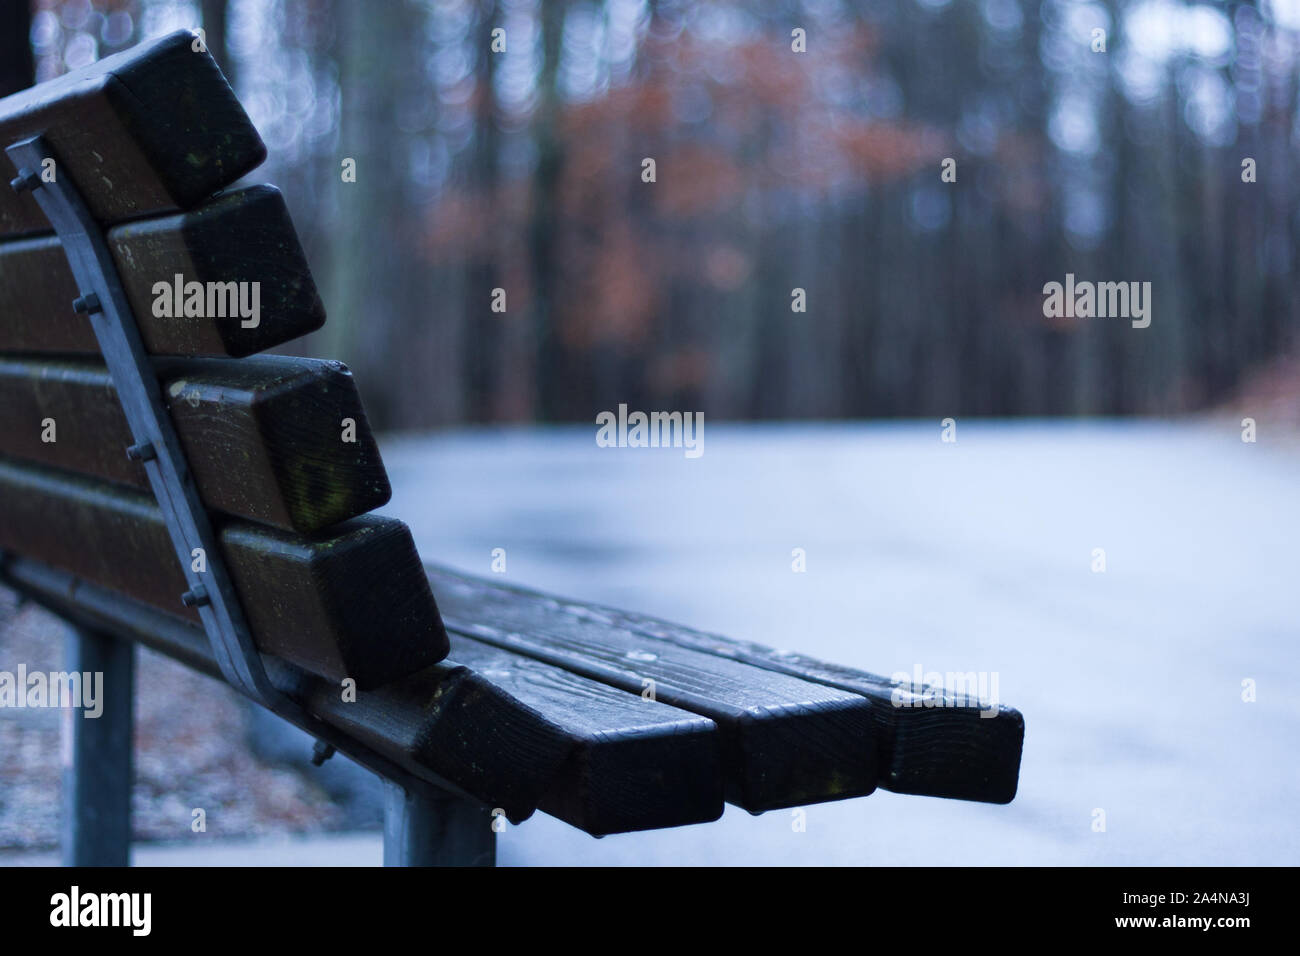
{"type": "Point", "coordinates": [506, 730]}
{"type": "Point", "coordinates": [635, 764]}
{"type": "Point", "coordinates": [244, 236]}
{"type": "Point", "coordinates": [264, 436]}
{"type": "Point", "coordinates": [930, 743]}
{"type": "Point", "coordinates": [350, 602]}
{"type": "Point", "coordinates": [786, 741]}
{"type": "Point", "coordinates": [153, 128]}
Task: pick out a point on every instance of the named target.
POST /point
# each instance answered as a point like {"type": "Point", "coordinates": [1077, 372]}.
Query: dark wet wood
{"type": "Point", "coordinates": [634, 764]}
{"type": "Point", "coordinates": [786, 741]}
{"type": "Point", "coordinates": [264, 436]}
{"type": "Point", "coordinates": [150, 129]}
{"type": "Point", "coordinates": [934, 746]}
{"type": "Point", "coordinates": [509, 731]}
{"type": "Point", "coordinates": [931, 743]}
{"type": "Point", "coordinates": [349, 602]}
{"type": "Point", "coordinates": [244, 236]}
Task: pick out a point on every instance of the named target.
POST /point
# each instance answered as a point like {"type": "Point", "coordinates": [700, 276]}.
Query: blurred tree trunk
{"type": "Point", "coordinates": [384, 320]}
{"type": "Point", "coordinates": [17, 69]}
{"type": "Point", "coordinates": [483, 337]}
{"type": "Point", "coordinates": [214, 34]}
{"type": "Point", "coordinates": [543, 233]}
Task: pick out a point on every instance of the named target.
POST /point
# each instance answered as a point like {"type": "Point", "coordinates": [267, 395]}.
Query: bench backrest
{"type": "Point", "coordinates": [279, 448]}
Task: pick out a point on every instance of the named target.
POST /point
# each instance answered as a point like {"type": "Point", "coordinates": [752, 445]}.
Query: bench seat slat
{"type": "Point", "coordinates": [505, 729]}
{"type": "Point", "coordinates": [944, 748]}
{"type": "Point", "coordinates": [642, 764]}
{"type": "Point", "coordinates": [350, 602]}
{"type": "Point", "coordinates": [952, 749]}
{"type": "Point", "coordinates": [244, 236]}
{"type": "Point", "coordinates": [264, 436]}
{"type": "Point", "coordinates": [155, 127]}
{"type": "Point", "coordinates": [786, 741]}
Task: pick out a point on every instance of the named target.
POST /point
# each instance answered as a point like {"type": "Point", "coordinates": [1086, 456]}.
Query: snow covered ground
{"type": "Point", "coordinates": [971, 556]}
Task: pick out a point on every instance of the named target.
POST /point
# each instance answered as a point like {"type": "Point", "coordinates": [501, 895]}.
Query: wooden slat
{"type": "Point", "coordinates": [352, 602]}
{"type": "Point", "coordinates": [786, 741]}
{"type": "Point", "coordinates": [153, 128]}
{"type": "Point", "coordinates": [938, 747]}
{"type": "Point", "coordinates": [507, 731]}
{"type": "Point", "coordinates": [935, 746]}
{"type": "Point", "coordinates": [264, 436]}
{"type": "Point", "coordinates": [244, 236]}
{"type": "Point", "coordinates": [949, 749]}
{"type": "Point", "coordinates": [635, 764]}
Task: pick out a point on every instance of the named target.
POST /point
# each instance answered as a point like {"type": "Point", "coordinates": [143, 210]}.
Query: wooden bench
{"type": "Point", "coordinates": [491, 701]}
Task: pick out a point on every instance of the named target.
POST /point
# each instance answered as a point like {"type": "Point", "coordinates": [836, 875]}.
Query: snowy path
{"type": "Point", "coordinates": [974, 556]}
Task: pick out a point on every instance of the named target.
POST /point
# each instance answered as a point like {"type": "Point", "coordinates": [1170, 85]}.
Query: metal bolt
{"type": "Point", "coordinates": [196, 597]}
{"type": "Point", "coordinates": [25, 180]}
{"type": "Point", "coordinates": [142, 452]}
{"type": "Point", "coordinates": [87, 303]}
{"type": "Point", "coordinates": [321, 752]}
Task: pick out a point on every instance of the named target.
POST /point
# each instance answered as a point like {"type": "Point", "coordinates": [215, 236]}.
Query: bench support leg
{"type": "Point", "coordinates": [445, 830]}
{"type": "Point", "coordinates": [97, 754]}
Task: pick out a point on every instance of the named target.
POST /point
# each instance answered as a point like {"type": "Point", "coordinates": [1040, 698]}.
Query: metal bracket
{"type": "Point", "coordinates": [156, 446]}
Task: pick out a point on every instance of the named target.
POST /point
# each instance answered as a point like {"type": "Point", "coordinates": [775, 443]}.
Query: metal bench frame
{"type": "Point", "coordinates": [423, 823]}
